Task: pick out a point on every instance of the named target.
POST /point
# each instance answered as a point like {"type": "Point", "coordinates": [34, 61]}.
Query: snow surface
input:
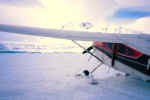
{"type": "Point", "coordinates": [51, 76]}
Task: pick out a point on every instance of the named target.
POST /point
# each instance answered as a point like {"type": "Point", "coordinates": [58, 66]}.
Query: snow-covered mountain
{"type": "Point", "coordinates": [32, 47]}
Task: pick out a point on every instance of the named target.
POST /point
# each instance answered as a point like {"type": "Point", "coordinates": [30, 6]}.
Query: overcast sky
{"type": "Point", "coordinates": [134, 14]}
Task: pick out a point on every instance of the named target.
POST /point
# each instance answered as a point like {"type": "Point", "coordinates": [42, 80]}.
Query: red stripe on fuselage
{"type": "Point", "coordinates": [135, 54]}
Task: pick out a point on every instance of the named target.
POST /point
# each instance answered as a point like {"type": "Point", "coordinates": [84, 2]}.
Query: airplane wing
{"type": "Point", "coordinates": [138, 41]}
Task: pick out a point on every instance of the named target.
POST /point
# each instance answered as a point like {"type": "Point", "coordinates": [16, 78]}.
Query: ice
{"type": "Point", "coordinates": [51, 76]}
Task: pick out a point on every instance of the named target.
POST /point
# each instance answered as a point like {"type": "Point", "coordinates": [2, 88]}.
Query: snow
{"type": "Point", "coordinates": [51, 76]}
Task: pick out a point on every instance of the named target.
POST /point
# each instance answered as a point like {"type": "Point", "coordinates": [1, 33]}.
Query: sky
{"type": "Point", "coordinates": [56, 13]}
{"type": "Point", "coordinates": [133, 14]}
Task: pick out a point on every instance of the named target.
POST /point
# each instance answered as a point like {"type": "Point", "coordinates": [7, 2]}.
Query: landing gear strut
{"type": "Point", "coordinates": [87, 73]}
{"type": "Point", "coordinates": [88, 50]}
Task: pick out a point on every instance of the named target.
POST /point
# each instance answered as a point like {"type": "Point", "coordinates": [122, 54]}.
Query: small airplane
{"type": "Point", "coordinates": [126, 52]}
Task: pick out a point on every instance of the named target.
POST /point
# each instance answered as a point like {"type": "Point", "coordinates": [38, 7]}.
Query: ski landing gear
{"type": "Point", "coordinates": [89, 75]}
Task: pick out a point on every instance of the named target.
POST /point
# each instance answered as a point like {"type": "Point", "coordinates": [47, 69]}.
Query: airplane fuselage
{"type": "Point", "coordinates": [127, 59]}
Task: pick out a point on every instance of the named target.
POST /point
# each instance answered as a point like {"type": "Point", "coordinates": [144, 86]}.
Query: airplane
{"type": "Point", "coordinates": [126, 52]}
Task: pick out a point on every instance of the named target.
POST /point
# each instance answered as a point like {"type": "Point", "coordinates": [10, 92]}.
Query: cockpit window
{"type": "Point", "coordinates": [103, 44]}
{"type": "Point", "coordinates": [109, 45]}
{"type": "Point", "coordinates": [121, 49]}
{"type": "Point", "coordinates": [129, 51]}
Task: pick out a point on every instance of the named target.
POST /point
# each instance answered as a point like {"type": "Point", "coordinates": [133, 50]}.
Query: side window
{"type": "Point", "coordinates": [130, 52]}
{"type": "Point", "coordinates": [103, 44]}
{"type": "Point", "coordinates": [121, 49]}
{"type": "Point", "coordinates": [109, 45]}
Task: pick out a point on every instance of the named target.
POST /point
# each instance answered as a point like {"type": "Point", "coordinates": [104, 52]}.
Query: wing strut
{"type": "Point", "coordinates": [86, 72]}
{"type": "Point", "coordinates": [88, 51]}
{"type": "Point", "coordinates": [114, 55]}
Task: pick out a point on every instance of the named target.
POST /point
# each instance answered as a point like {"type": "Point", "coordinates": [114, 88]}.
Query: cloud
{"type": "Point", "coordinates": [141, 24]}
{"type": "Point", "coordinates": [129, 11]}
{"type": "Point", "coordinates": [133, 3]}
{"type": "Point", "coordinates": [100, 9]}
{"type": "Point", "coordinates": [116, 11]}
{"type": "Point", "coordinates": [133, 14]}
{"type": "Point", "coordinates": [25, 3]}
{"type": "Point", "coordinates": [64, 11]}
